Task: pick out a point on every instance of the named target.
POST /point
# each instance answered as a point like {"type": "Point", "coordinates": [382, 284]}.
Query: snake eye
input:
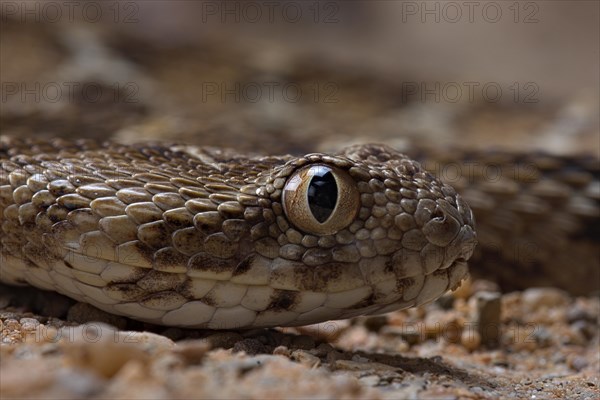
{"type": "Point", "coordinates": [320, 199]}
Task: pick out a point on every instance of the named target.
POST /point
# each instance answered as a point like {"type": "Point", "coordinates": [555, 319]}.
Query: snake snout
{"type": "Point", "coordinates": [449, 229]}
{"type": "Point", "coordinates": [434, 232]}
{"type": "Point", "coordinates": [434, 236]}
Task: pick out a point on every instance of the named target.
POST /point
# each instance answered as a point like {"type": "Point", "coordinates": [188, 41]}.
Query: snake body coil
{"type": "Point", "coordinates": [202, 237]}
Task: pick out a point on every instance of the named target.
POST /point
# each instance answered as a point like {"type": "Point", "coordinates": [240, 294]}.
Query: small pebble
{"type": "Point", "coordinates": [453, 332]}
{"type": "Point", "coordinates": [192, 351]}
{"type": "Point", "coordinates": [305, 358]}
{"type": "Point", "coordinates": [45, 333]}
{"type": "Point", "coordinates": [148, 341]}
{"type": "Point", "coordinates": [370, 380]}
{"type": "Point", "coordinates": [576, 314]}
{"type": "Point", "coordinates": [470, 339]}
{"type": "Point", "coordinates": [486, 316]}
{"type": "Point", "coordinates": [29, 324]}
{"type": "Point", "coordinates": [543, 337]}
{"type": "Point", "coordinates": [483, 285]}
{"type": "Point", "coordinates": [281, 351]}
{"type": "Point", "coordinates": [535, 298]}
{"type": "Point", "coordinates": [585, 329]}
{"type": "Point", "coordinates": [97, 347]}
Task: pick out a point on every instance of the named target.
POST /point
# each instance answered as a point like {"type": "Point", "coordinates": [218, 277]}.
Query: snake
{"type": "Point", "coordinates": [205, 237]}
{"type": "Point", "coordinates": [201, 237]}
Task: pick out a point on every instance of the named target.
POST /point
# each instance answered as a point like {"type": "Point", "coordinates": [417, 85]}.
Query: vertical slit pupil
{"type": "Point", "coordinates": [322, 194]}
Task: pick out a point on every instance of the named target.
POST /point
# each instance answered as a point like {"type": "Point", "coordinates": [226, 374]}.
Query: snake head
{"type": "Point", "coordinates": [361, 232]}
{"type": "Point", "coordinates": [206, 238]}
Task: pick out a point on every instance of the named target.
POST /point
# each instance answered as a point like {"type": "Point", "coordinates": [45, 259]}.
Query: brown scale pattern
{"type": "Point", "coordinates": [199, 237]}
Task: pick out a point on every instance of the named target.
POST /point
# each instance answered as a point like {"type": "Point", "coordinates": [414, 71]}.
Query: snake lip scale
{"type": "Point", "coordinates": [202, 237]}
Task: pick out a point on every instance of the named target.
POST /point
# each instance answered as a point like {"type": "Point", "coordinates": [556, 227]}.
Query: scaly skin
{"type": "Point", "coordinates": [199, 237]}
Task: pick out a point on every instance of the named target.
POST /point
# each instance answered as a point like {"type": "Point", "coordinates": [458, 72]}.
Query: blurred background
{"type": "Point", "coordinates": [300, 76]}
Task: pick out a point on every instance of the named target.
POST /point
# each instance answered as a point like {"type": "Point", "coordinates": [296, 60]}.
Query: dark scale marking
{"type": "Point", "coordinates": [282, 300]}
{"type": "Point", "coordinates": [244, 265]}
{"type": "Point", "coordinates": [147, 253]}
{"type": "Point", "coordinates": [208, 300]}
{"type": "Point", "coordinates": [364, 303]}
{"type": "Point", "coordinates": [131, 292]}
{"type": "Point", "coordinates": [330, 272]}
{"type": "Point", "coordinates": [389, 267]}
{"type": "Point", "coordinates": [203, 261]}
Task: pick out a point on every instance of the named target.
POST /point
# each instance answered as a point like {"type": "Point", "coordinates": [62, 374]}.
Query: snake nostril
{"type": "Point", "coordinates": [442, 228]}
{"type": "Point", "coordinates": [438, 214]}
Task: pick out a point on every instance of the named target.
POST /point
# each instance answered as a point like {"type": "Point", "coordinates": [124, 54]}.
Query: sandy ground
{"type": "Point", "coordinates": [474, 343]}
